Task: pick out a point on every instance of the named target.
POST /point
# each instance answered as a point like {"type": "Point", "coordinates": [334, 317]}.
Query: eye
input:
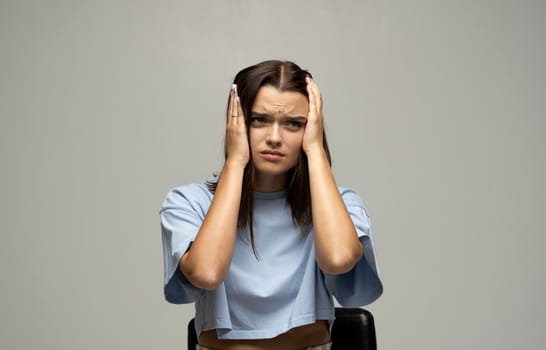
{"type": "Point", "coordinates": [257, 121]}
{"type": "Point", "coordinates": [294, 125]}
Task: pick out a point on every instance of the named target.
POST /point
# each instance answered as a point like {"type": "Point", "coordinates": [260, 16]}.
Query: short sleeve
{"type": "Point", "coordinates": [362, 285]}
{"type": "Point", "coordinates": [181, 216]}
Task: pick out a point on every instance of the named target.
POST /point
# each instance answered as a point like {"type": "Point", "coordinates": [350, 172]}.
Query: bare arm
{"type": "Point", "coordinates": [337, 245]}
{"type": "Point", "coordinates": [207, 262]}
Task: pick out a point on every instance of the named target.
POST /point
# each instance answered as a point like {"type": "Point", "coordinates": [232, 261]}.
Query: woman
{"type": "Point", "coordinates": [262, 249]}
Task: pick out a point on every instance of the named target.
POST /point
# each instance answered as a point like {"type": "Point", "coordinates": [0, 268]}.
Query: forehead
{"type": "Point", "coordinates": [272, 101]}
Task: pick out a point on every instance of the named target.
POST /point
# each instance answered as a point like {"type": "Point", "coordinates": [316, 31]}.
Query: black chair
{"type": "Point", "coordinates": [353, 329]}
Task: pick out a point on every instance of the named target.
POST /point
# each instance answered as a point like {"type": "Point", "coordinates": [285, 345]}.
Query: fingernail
{"type": "Point", "coordinates": [234, 87]}
{"type": "Point", "coordinates": [237, 98]}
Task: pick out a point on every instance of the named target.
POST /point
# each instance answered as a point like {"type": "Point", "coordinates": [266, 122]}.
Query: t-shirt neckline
{"type": "Point", "coordinates": [270, 195]}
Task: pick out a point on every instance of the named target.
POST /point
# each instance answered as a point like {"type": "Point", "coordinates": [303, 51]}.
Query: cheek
{"type": "Point", "coordinates": [295, 141]}
{"type": "Point", "coordinates": [254, 139]}
{"type": "Point", "coordinates": [298, 138]}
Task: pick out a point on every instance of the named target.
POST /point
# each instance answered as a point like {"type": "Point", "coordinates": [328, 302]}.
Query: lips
{"type": "Point", "coordinates": [272, 155]}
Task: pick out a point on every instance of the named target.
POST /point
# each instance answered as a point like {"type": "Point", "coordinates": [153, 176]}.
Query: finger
{"type": "Point", "coordinates": [230, 107]}
{"type": "Point", "coordinates": [233, 107]}
{"type": "Point", "coordinates": [312, 99]}
{"type": "Point", "coordinates": [317, 94]}
{"type": "Point", "coordinates": [240, 113]}
{"type": "Point", "coordinates": [235, 114]}
{"type": "Point", "coordinates": [234, 99]}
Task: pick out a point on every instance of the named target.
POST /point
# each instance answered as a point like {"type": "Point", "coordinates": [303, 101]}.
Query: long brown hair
{"type": "Point", "coordinates": [285, 76]}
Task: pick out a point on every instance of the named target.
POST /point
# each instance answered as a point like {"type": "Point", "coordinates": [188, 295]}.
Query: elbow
{"type": "Point", "coordinates": [204, 278]}
{"type": "Point", "coordinates": [340, 263]}
{"type": "Point", "coordinates": [207, 280]}
{"type": "Point", "coordinates": [337, 267]}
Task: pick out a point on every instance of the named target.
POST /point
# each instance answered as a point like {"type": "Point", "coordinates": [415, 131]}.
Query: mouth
{"type": "Point", "coordinates": [272, 155]}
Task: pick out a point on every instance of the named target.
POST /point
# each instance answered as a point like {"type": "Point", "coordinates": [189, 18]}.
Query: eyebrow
{"type": "Point", "coordinates": [291, 118]}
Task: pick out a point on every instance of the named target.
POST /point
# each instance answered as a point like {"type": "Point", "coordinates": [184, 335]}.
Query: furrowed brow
{"type": "Point", "coordinates": [289, 118]}
{"type": "Point", "coordinates": [260, 115]}
{"type": "Point", "coordinates": [296, 118]}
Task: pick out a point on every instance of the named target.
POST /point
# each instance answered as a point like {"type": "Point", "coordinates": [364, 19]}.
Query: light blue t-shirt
{"type": "Point", "coordinates": [281, 289]}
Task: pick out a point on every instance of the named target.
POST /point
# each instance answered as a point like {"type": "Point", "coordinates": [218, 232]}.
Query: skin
{"type": "Point", "coordinates": [282, 124]}
{"type": "Point", "coordinates": [277, 126]}
{"type": "Point", "coordinates": [337, 245]}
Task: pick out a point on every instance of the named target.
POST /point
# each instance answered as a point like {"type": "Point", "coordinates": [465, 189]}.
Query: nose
{"type": "Point", "coordinates": [273, 138]}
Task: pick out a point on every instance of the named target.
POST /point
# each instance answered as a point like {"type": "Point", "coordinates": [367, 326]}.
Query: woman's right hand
{"type": "Point", "coordinates": [206, 264]}
{"type": "Point", "coordinates": [237, 148]}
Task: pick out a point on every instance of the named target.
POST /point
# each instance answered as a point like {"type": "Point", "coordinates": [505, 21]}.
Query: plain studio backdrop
{"type": "Point", "coordinates": [435, 112]}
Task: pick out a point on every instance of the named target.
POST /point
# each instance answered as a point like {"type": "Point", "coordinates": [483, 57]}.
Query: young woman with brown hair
{"type": "Point", "coordinates": [263, 248]}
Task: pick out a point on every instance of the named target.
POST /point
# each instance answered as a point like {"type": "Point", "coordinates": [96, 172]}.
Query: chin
{"type": "Point", "coordinates": [271, 169]}
{"type": "Point", "coordinates": [267, 171]}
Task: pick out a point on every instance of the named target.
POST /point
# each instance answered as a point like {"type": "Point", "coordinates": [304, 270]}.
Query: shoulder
{"type": "Point", "coordinates": [194, 194]}
{"type": "Point", "coordinates": [351, 198]}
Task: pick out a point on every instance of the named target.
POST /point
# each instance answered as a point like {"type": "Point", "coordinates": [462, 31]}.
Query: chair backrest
{"type": "Point", "coordinates": [353, 329]}
{"type": "Point", "coordinates": [192, 335]}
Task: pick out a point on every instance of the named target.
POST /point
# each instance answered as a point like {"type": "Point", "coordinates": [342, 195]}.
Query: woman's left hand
{"type": "Point", "coordinates": [313, 134]}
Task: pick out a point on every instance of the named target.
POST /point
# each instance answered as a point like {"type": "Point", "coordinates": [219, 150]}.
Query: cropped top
{"type": "Point", "coordinates": [283, 287]}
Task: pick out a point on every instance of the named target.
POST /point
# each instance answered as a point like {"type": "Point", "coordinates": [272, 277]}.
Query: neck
{"type": "Point", "coordinates": [270, 183]}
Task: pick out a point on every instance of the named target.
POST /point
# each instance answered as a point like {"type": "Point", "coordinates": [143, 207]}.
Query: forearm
{"type": "Point", "coordinates": [207, 262]}
{"type": "Point", "coordinates": [336, 242]}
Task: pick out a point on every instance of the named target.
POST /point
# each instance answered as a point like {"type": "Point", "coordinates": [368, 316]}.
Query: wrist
{"type": "Point", "coordinates": [234, 165]}
{"type": "Point", "coordinates": [315, 152]}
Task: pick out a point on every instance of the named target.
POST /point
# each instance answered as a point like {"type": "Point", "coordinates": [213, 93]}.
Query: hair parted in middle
{"type": "Point", "coordinates": [284, 76]}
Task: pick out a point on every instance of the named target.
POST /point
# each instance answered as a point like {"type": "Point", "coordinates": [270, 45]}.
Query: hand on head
{"type": "Point", "coordinates": [313, 135]}
{"type": "Point", "coordinates": [236, 136]}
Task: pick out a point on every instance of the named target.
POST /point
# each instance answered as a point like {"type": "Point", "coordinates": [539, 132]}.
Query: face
{"type": "Point", "coordinates": [277, 123]}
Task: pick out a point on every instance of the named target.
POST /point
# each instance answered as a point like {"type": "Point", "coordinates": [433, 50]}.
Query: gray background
{"type": "Point", "coordinates": [435, 112]}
